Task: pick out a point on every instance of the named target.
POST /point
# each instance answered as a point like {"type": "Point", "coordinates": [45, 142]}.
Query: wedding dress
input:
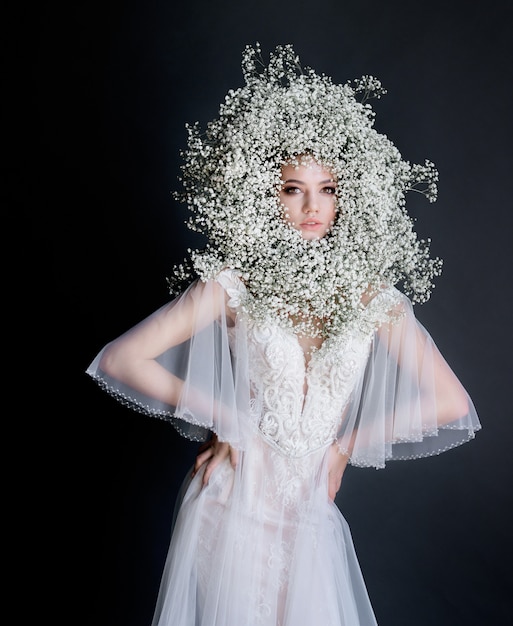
{"type": "Point", "coordinates": [262, 544]}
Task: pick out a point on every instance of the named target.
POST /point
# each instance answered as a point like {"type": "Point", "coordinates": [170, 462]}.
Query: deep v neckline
{"type": "Point", "coordinates": [308, 345]}
{"type": "Point", "coordinates": [308, 348]}
{"type": "Point", "coordinates": [309, 352]}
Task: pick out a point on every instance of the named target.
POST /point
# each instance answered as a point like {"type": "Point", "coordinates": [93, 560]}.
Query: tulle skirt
{"type": "Point", "coordinates": [262, 545]}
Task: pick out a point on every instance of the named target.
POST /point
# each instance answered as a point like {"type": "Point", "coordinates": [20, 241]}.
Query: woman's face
{"type": "Point", "coordinates": [308, 194]}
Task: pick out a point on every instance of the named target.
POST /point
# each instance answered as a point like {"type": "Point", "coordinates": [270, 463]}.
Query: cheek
{"type": "Point", "coordinates": [332, 210]}
{"type": "Point", "coordinates": [286, 200]}
{"type": "Point", "coordinates": [288, 207]}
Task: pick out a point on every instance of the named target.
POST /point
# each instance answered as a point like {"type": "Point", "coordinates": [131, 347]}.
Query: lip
{"type": "Point", "coordinates": [310, 225]}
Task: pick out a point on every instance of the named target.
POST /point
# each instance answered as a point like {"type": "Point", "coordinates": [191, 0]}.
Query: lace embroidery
{"type": "Point", "coordinates": [295, 422]}
{"type": "Point", "coordinates": [298, 423]}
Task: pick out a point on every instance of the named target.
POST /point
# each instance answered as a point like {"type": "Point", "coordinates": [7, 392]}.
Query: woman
{"type": "Point", "coordinates": [291, 344]}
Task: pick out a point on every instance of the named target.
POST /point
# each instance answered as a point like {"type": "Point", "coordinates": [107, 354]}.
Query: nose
{"type": "Point", "coordinates": [310, 204]}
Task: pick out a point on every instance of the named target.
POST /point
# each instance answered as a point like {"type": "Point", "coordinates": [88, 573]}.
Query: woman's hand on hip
{"type": "Point", "coordinates": [337, 463]}
{"type": "Point", "coordinates": [211, 454]}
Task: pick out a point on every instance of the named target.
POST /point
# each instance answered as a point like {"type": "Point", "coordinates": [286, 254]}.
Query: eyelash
{"type": "Point", "coordinates": [294, 190]}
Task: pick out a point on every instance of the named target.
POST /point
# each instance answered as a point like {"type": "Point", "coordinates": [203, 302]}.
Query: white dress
{"type": "Point", "coordinates": [263, 544]}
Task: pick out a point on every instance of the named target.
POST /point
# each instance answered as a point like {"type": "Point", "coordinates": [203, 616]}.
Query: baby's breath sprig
{"type": "Point", "coordinates": [231, 177]}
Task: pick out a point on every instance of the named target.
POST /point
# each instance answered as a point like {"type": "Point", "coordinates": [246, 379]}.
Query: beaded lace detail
{"type": "Point", "coordinates": [298, 422]}
{"type": "Point", "coordinates": [298, 402]}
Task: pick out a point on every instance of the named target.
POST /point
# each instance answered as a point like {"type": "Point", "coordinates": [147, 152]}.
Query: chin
{"type": "Point", "coordinates": [310, 236]}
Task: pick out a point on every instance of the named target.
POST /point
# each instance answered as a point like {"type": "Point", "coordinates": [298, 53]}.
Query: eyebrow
{"type": "Point", "coordinates": [302, 182]}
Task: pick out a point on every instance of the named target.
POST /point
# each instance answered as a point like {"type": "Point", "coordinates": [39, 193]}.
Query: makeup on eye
{"type": "Point", "coordinates": [295, 186]}
{"type": "Point", "coordinates": [308, 197]}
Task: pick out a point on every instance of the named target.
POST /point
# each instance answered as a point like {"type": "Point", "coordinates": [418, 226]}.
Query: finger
{"type": "Point", "coordinates": [330, 489]}
{"type": "Point", "coordinates": [234, 457]}
{"type": "Point", "coordinates": [202, 458]}
{"type": "Point", "coordinates": [220, 452]}
{"type": "Point", "coordinates": [211, 465]}
{"type": "Point", "coordinates": [334, 482]}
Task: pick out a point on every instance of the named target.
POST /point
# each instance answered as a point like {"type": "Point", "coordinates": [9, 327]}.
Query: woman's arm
{"type": "Point", "coordinates": [418, 358]}
{"type": "Point", "coordinates": [132, 358]}
{"type": "Point", "coordinates": [407, 402]}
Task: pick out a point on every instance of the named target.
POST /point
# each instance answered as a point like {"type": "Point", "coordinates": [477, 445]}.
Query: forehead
{"type": "Point", "coordinates": [306, 169]}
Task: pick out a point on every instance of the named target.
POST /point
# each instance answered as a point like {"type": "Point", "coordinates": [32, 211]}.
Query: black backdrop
{"type": "Point", "coordinates": [115, 83]}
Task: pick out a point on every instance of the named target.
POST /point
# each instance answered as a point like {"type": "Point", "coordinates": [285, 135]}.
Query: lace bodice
{"type": "Point", "coordinates": [298, 402]}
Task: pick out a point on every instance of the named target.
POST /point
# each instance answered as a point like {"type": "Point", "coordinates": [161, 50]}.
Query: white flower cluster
{"type": "Point", "coordinates": [231, 182]}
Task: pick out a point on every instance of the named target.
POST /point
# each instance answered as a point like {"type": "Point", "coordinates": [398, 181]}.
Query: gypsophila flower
{"type": "Point", "coordinates": [231, 182]}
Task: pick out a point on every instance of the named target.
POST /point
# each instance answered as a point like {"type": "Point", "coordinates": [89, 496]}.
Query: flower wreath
{"type": "Point", "coordinates": [231, 179]}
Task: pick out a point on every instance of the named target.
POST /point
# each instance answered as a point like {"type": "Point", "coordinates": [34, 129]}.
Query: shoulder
{"type": "Point", "coordinates": [224, 292]}
{"type": "Point", "coordinates": [387, 306]}
{"type": "Point", "coordinates": [231, 281]}
{"type": "Point", "coordinates": [386, 296]}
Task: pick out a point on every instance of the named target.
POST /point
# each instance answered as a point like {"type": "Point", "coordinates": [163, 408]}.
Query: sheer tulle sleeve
{"type": "Point", "coordinates": [407, 403]}
{"type": "Point", "coordinates": [183, 364]}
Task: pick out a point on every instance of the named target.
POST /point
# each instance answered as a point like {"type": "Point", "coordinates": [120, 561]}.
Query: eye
{"type": "Point", "coordinates": [331, 189]}
{"type": "Point", "coordinates": [291, 190]}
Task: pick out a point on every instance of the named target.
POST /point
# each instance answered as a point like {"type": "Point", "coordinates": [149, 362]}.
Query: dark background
{"type": "Point", "coordinates": [115, 83]}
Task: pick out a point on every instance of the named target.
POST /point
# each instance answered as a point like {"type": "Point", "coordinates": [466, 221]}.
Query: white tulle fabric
{"type": "Point", "coordinates": [263, 544]}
